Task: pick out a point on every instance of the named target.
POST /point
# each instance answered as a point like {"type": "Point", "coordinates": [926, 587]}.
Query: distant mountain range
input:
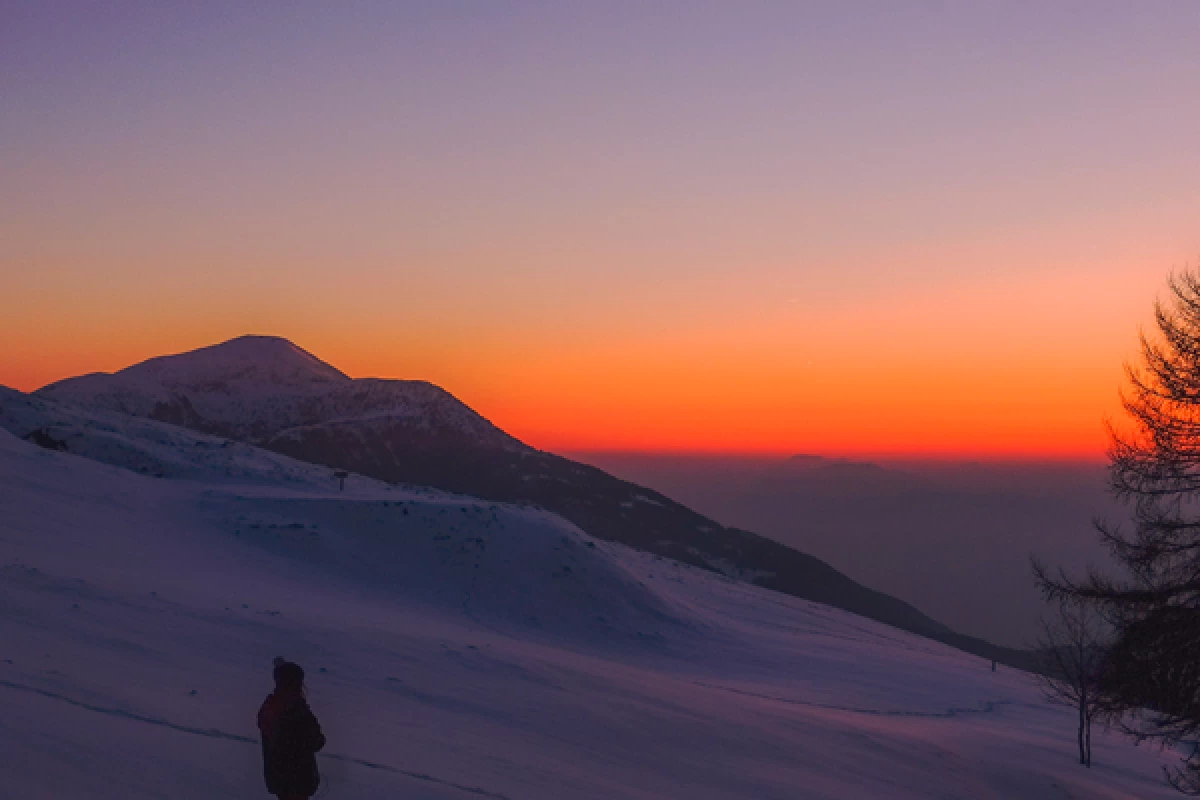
{"type": "Point", "coordinates": [268, 392]}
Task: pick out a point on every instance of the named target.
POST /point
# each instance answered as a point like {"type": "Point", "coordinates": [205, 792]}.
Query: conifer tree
{"type": "Point", "coordinates": [1152, 670]}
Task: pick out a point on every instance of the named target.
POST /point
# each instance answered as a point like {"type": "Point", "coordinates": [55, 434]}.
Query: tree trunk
{"type": "Point", "coordinates": [1085, 733]}
{"type": "Point", "coordinates": [1087, 738]}
{"type": "Point", "coordinates": [1082, 749]}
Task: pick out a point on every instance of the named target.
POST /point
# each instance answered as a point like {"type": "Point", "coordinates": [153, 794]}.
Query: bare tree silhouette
{"type": "Point", "coordinates": [1073, 647]}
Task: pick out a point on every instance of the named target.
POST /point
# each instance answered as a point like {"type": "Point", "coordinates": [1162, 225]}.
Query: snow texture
{"type": "Point", "coordinates": [455, 648]}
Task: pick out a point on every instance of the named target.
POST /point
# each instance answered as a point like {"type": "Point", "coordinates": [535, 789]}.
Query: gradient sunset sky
{"type": "Point", "coordinates": [917, 228]}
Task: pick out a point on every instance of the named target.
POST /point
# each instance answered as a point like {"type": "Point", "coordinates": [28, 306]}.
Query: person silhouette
{"type": "Point", "coordinates": [291, 736]}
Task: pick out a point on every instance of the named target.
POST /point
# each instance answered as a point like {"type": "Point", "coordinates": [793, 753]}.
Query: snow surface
{"type": "Point", "coordinates": [455, 649]}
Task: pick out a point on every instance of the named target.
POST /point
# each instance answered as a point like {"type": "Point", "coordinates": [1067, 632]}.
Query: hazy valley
{"type": "Point", "coordinates": [952, 538]}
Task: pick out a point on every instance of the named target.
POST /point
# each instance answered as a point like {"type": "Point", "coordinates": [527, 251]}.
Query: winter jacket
{"type": "Point", "coordinates": [291, 738]}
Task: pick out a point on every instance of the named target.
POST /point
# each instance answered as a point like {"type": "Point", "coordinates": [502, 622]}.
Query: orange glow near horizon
{"type": "Point", "coordinates": [979, 369]}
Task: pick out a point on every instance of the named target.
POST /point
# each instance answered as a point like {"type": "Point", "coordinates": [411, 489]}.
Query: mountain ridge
{"type": "Point", "coordinates": [254, 387]}
{"type": "Point", "coordinates": [415, 432]}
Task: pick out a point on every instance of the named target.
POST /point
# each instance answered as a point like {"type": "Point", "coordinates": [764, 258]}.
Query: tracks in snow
{"type": "Point", "coordinates": [986, 707]}
{"type": "Point", "coordinates": [213, 733]}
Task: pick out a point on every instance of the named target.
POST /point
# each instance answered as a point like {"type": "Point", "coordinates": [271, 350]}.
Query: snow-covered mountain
{"type": "Point", "coordinates": [255, 387]}
{"type": "Point", "coordinates": [456, 648]}
{"type": "Point", "coordinates": [266, 391]}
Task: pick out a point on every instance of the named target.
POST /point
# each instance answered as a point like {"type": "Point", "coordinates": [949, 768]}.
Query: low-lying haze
{"type": "Point", "coordinates": [953, 538]}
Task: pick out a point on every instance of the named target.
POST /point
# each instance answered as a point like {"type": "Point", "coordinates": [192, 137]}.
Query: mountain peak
{"type": "Point", "coordinates": [255, 357]}
{"type": "Point", "coordinates": [263, 387]}
{"type": "Point", "coordinates": [256, 342]}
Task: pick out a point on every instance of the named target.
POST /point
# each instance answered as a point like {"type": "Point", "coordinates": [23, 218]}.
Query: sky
{"type": "Point", "coordinates": [906, 228]}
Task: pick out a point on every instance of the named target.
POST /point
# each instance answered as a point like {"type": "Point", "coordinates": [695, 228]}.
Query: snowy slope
{"type": "Point", "coordinates": [428, 547]}
{"type": "Point", "coordinates": [456, 649]}
{"type": "Point", "coordinates": [267, 392]}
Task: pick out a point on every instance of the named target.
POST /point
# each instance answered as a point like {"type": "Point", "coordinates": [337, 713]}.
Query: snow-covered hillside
{"type": "Point", "coordinates": [455, 648]}
{"type": "Point", "coordinates": [267, 392]}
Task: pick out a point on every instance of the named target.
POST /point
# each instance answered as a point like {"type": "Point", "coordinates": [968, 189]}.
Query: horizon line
{"type": "Point", "coordinates": [910, 456]}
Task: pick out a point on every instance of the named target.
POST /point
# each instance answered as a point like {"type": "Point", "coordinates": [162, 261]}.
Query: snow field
{"type": "Point", "coordinates": [455, 649]}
